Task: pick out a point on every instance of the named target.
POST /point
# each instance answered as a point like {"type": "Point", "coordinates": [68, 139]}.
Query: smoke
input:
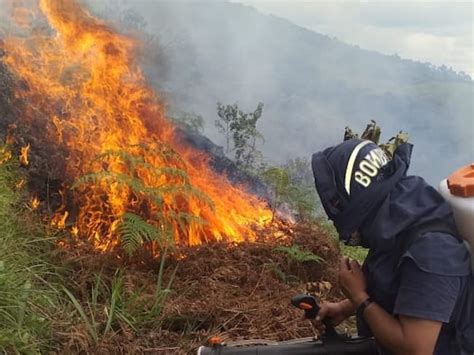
{"type": "Point", "coordinates": [312, 85]}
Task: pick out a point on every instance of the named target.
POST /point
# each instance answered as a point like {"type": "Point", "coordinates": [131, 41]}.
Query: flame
{"type": "Point", "coordinates": [5, 155]}
{"type": "Point", "coordinates": [59, 220]}
{"type": "Point", "coordinates": [19, 185]}
{"type": "Point", "coordinates": [34, 203]}
{"type": "Point", "coordinates": [24, 155]}
{"type": "Point", "coordinates": [82, 81]}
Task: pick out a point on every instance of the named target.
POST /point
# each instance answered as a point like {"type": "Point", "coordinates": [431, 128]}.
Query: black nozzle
{"type": "Point", "coordinates": [311, 309]}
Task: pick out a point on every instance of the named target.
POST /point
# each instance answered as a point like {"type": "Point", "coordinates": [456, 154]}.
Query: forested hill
{"type": "Point", "coordinates": [312, 85]}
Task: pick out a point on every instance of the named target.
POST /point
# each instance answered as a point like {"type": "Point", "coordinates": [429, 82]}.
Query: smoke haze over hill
{"type": "Point", "coordinates": [312, 85]}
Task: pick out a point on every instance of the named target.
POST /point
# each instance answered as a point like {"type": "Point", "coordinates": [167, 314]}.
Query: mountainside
{"type": "Point", "coordinates": [312, 85]}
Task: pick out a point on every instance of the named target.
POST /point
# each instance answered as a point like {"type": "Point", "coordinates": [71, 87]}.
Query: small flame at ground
{"type": "Point", "coordinates": [24, 155]}
{"type": "Point", "coordinates": [5, 155]}
{"type": "Point", "coordinates": [34, 203]}
{"type": "Point", "coordinates": [19, 185]}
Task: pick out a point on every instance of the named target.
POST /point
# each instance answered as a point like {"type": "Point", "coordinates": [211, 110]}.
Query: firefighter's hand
{"type": "Point", "coordinates": [352, 281]}
{"type": "Point", "coordinates": [337, 312]}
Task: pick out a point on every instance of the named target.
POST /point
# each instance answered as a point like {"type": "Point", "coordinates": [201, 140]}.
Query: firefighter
{"type": "Point", "coordinates": [406, 296]}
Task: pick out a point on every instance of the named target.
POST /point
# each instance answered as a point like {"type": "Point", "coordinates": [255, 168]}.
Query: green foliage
{"type": "Point", "coordinates": [241, 134]}
{"type": "Point", "coordinates": [287, 189]}
{"type": "Point", "coordinates": [135, 232]}
{"type": "Point", "coordinates": [300, 171]}
{"type": "Point", "coordinates": [278, 179]}
{"type": "Point", "coordinates": [107, 304]}
{"type": "Point", "coordinates": [28, 300]}
{"type": "Point", "coordinates": [354, 252]}
{"type": "Point", "coordinates": [283, 276]}
{"type": "Point", "coordinates": [299, 255]}
{"type": "Point", "coordinates": [111, 306]}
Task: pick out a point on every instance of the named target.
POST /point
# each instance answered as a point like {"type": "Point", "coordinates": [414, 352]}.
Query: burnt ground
{"type": "Point", "coordinates": [235, 291]}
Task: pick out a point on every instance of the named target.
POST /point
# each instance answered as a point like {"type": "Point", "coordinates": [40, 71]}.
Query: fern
{"type": "Point", "coordinates": [165, 152]}
{"type": "Point", "coordinates": [133, 162]}
{"type": "Point", "coordinates": [135, 232]}
{"type": "Point", "coordinates": [166, 197]}
{"type": "Point", "coordinates": [298, 255]}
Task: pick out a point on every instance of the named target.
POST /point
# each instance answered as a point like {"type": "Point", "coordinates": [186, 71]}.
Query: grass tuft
{"type": "Point", "coordinates": [26, 296]}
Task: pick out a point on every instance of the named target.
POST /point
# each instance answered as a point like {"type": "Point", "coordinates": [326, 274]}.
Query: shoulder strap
{"type": "Point", "coordinates": [408, 237]}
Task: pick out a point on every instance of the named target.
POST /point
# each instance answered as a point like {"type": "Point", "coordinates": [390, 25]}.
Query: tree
{"type": "Point", "coordinates": [279, 181]}
{"type": "Point", "coordinates": [241, 134]}
{"type": "Point", "coordinates": [227, 114]}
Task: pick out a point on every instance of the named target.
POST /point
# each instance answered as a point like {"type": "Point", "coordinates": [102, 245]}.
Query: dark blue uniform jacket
{"type": "Point", "coordinates": [361, 190]}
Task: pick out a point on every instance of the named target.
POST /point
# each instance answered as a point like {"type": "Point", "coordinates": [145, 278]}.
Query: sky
{"type": "Point", "coordinates": [439, 32]}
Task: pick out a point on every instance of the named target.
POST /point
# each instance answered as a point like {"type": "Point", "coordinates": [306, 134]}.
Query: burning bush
{"type": "Point", "coordinates": [89, 100]}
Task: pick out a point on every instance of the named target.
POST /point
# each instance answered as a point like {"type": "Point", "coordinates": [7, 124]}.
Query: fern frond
{"type": "Point", "coordinates": [91, 178]}
{"type": "Point", "coordinates": [298, 255]}
{"type": "Point", "coordinates": [165, 152]}
{"type": "Point", "coordinates": [134, 232]}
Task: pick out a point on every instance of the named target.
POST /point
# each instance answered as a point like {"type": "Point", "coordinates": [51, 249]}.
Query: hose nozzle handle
{"type": "Point", "coordinates": [309, 305]}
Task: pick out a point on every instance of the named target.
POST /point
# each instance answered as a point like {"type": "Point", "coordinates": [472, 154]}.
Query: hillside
{"type": "Point", "coordinates": [312, 85]}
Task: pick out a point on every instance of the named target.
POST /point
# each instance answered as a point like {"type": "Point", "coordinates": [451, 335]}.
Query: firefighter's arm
{"type": "Point", "coordinates": [403, 335]}
{"type": "Point", "coordinates": [406, 335]}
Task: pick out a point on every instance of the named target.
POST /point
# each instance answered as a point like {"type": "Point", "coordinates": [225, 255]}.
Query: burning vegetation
{"type": "Point", "coordinates": [106, 170]}
{"type": "Point", "coordinates": [84, 98]}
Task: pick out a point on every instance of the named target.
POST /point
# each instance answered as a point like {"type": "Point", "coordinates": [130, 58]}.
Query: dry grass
{"type": "Point", "coordinates": [235, 291]}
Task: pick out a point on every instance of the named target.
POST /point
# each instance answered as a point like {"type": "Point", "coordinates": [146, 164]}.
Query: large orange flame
{"type": "Point", "coordinates": [82, 77]}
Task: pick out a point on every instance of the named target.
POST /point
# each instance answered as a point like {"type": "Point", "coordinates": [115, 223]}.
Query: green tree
{"type": "Point", "coordinates": [227, 114]}
{"type": "Point", "coordinates": [241, 133]}
{"type": "Point", "coordinates": [290, 184]}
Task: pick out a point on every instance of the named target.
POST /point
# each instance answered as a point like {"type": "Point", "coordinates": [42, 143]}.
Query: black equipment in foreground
{"type": "Point", "coordinates": [331, 343]}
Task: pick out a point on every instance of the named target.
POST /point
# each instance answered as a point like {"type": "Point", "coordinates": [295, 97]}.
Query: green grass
{"type": "Point", "coordinates": [26, 296]}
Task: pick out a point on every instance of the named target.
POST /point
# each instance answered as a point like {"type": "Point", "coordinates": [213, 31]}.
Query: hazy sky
{"type": "Point", "coordinates": [439, 32]}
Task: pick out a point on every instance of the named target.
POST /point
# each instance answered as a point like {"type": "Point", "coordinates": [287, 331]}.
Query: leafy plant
{"type": "Point", "coordinates": [283, 276]}
{"type": "Point", "coordinates": [298, 255]}
{"type": "Point", "coordinates": [279, 181]}
{"type": "Point", "coordinates": [28, 298]}
{"type": "Point", "coordinates": [135, 232]}
{"type": "Point", "coordinates": [241, 134]}
{"type": "Point", "coordinates": [286, 190]}
{"type": "Point", "coordinates": [106, 304]}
